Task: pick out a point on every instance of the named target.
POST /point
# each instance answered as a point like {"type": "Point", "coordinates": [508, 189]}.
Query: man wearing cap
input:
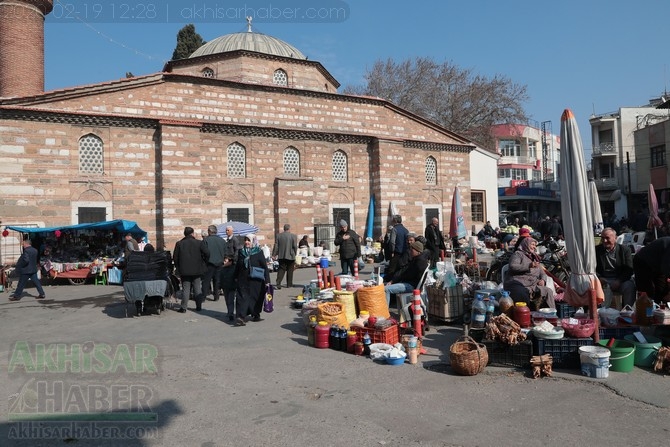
{"type": "Point", "coordinates": [350, 247]}
{"type": "Point", "coordinates": [614, 267]}
{"type": "Point", "coordinates": [408, 278]}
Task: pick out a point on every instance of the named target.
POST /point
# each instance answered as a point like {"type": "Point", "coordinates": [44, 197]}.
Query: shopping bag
{"type": "Point", "coordinates": [268, 304]}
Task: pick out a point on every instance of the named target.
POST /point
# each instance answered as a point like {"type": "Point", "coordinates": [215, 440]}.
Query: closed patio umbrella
{"type": "Point", "coordinates": [654, 220]}
{"type": "Point", "coordinates": [457, 221]}
{"type": "Point", "coordinates": [583, 286]}
{"type": "Point", "coordinates": [598, 224]}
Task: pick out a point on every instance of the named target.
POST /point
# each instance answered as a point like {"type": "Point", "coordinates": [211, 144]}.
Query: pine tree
{"type": "Point", "coordinates": [187, 42]}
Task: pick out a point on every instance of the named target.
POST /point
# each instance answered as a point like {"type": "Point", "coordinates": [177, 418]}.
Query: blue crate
{"type": "Point", "coordinates": [564, 351]}
{"type": "Point", "coordinates": [564, 310]}
{"type": "Point", "coordinates": [617, 332]}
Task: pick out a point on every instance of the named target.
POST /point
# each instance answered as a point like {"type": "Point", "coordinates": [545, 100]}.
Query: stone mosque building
{"type": "Point", "coordinates": [246, 128]}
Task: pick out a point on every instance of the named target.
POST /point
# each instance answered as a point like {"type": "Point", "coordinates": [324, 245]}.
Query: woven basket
{"type": "Point", "coordinates": [468, 358]}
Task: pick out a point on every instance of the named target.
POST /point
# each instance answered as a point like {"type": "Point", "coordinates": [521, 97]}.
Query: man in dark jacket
{"type": "Point", "coordinates": [217, 250]}
{"type": "Point", "coordinates": [435, 240]}
{"type": "Point", "coordinates": [189, 261]}
{"type": "Point", "coordinates": [556, 230]}
{"type": "Point", "coordinates": [614, 266]}
{"type": "Point", "coordinates": [284, 250]}
{"type": "Point", "coordinates": [651, 265]}
{"type": "Point", "coordinates": [397, 246]}
{"type": "Point", "coordinates": [235, 243]}
{"type": "Point", "coordinates": [407, 279]}
{"type": "Point", "coordinates": [350, 247]}
{"type": "Point", "coordinates": [27, 268]}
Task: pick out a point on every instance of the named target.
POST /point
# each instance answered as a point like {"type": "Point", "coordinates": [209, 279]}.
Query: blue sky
{"type": "Point", "coordinates": [586, 55]}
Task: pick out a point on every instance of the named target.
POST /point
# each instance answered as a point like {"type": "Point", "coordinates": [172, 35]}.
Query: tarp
{"type": "Point", "coordinates": [122, 226]}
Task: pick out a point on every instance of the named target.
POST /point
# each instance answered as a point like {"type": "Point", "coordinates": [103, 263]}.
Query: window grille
{"type": "Point", "coordinates": [340, 166]}
{"type": "Point", "coordinates": [90, 155]}
{"type": "Point", "coordinates": [291, 162]}
{"type": "Point", "coordinates": [280, 78]}
{"type": "Point", "coordinates": [431, 171]}
{"type": "Point", "coordinates": [236, 161]}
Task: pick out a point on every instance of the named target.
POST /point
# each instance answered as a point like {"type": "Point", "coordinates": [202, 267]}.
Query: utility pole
{"type": "Point", "coordinates": [630, 191]}
{"type": "Point", "coordinates": [546, 128]}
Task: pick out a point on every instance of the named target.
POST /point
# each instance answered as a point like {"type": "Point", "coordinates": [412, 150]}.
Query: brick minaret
{"type": "Point", "coordinates": [22, 46]}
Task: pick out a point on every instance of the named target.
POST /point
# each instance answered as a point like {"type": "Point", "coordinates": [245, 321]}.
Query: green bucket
{"type": "Point", "coordinates": [645, 353]}
{"type": "Point", "coordinates": [622, 355]}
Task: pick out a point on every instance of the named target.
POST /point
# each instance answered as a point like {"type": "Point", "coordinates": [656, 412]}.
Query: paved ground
{"type": "Point", "coordinates": [219, 385]}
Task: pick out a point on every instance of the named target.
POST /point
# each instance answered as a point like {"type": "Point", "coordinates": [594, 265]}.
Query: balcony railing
{"type": "Point", "coordinates": [604, 149]}
{"type": "Point", "coordinates": [530, 161]}
{"type": "Point", "coordinates": [606, 183]}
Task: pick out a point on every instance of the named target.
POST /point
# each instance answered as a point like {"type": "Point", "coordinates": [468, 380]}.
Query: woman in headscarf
{"type": "Point", "coordinates": [250, 291]}
{"type": "Point", "coordinates": [526, 279]}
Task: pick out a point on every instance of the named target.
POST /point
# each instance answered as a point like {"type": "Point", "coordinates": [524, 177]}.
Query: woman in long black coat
{"type": "Point", "coordinates": [250, 292]}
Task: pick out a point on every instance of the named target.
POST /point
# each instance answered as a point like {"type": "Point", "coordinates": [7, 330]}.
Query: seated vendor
{"type": "Point", "coordinates": [526, 279]}
{"type": "Point", "coordinates": [407, 279]}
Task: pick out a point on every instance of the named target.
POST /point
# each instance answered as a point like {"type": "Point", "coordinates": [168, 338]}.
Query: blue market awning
{"type": "Point", "coordinates": [120, 225]}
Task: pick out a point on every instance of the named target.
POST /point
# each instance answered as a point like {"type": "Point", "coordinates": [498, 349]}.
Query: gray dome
{"type": "Point", "coordinates": [250, 41]}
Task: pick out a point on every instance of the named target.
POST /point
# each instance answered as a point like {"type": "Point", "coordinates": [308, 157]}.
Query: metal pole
{"type": "Point", "coordinates": [630, 190]}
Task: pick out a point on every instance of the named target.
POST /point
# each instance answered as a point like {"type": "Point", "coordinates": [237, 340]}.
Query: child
{"type": "Point", "coordinates": [228, 285]}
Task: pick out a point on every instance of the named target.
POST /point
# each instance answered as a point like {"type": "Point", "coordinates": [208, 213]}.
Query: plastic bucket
{"type": "Point", "coordinates": [645, 353]}
{"type": "Point", "coordinates": [323, 262]}
{"type": "Point", "coordinates": [622, 355]}
{"type": "Point", "coordinates": [595, 361]}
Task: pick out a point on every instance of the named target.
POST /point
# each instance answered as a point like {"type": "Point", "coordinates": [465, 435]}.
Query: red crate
{"type": "Point", "coordinates": [389, 335]}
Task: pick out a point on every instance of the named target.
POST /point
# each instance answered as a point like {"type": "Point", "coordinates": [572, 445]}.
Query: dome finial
{"type": "Point", "coordinates": [249, 19]}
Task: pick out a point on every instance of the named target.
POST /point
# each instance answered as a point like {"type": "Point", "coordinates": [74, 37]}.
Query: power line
{"type": "Point", "coordinates": [114, 41]}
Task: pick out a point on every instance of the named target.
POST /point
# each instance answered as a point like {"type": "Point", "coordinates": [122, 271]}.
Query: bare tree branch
{"type": "Point", "coordinates": [456, 98]}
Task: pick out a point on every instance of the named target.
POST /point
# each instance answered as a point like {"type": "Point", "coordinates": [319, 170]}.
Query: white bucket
{"type": "Point", "coordinates": [595, 361]}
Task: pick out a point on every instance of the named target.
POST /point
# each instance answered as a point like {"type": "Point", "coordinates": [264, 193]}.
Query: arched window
{"type": "Point", "coordinates": [280, 78]}
{"type": "Point", "coordinates": [91, 155]}
{"type": "Point", "coordinates": [237, 161]}
{"type": "Point", "coordinates": [291, 162]}
{"type": "Point", "coordinates": [340, 166]}
{"type": "Point", "coordinates": [207, 73]}
{"type": "Point", "coordinates": [431, 171]}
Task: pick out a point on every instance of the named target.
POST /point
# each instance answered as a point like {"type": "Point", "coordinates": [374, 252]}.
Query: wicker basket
{"type": "Point", "coordinates": [468, 358]}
